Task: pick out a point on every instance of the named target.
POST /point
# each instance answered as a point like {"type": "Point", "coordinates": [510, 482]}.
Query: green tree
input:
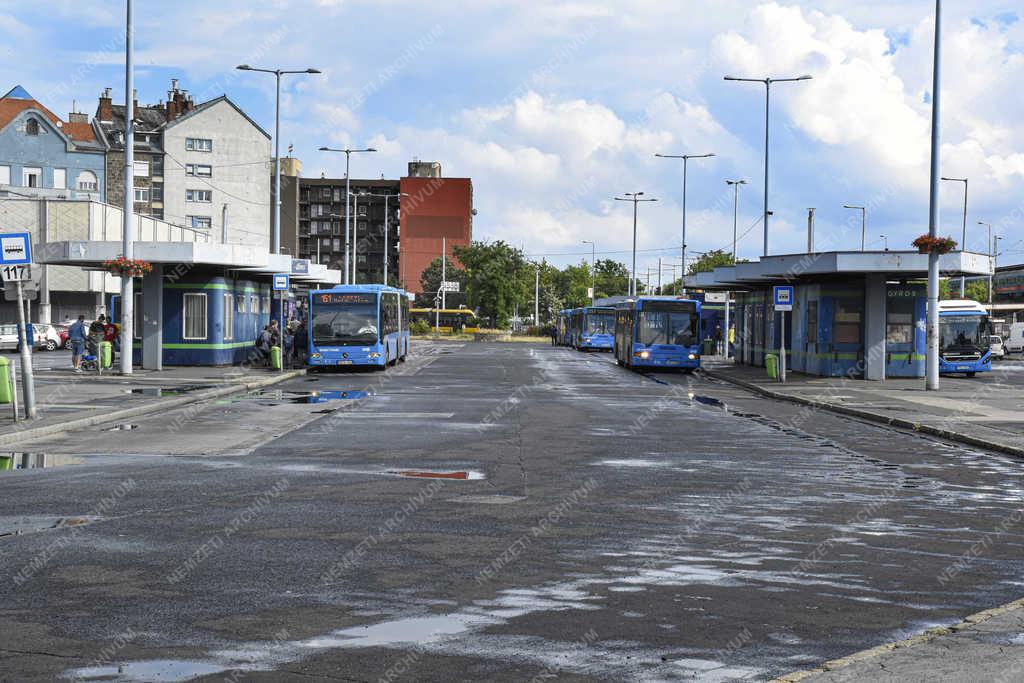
{"type": "Point", "coordinates": [430, 281]}
{"type": "Point", "coordinates": [572, 283]}
{"type": "Point", "coordinates": [612, 278]}
{"type": "Point", "coordinates": [710, 260]}
{"type": "Point", "coordinates": [498, 280]}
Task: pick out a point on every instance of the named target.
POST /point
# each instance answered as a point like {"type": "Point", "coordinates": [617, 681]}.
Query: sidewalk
{"type": "Point", "coordinates": [66, 400]}
{"type": "Point", "coordinates": [983, 411]}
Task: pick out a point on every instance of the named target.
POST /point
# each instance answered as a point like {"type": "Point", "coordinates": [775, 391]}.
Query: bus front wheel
{"type": "Point", "coordinates": [971, 374]}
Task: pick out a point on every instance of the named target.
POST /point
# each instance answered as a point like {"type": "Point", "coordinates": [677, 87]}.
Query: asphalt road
{"type": "Point", "coordinates": [576, 521]}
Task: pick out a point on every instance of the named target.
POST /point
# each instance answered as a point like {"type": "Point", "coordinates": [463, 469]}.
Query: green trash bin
{"type": "Point", "coordinates": [106, 354]}
{"type": "Point", "coordinates": [5, 380]}
{"type": "Point", "coordinates": [709, 347]}
{"type": "Point", "coordinates": [771, 362]}
{"type": "Point", "coordinates": [275, 357]}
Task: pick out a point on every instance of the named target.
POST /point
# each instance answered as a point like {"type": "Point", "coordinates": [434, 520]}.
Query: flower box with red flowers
{"type": "Point", "coordinates": [940, 245]}
{"type": "Point", "coordinates": [127, 267]}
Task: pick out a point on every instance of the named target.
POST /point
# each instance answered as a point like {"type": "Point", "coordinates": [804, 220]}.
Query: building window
{"type": "Point", "coordinates": [254, 303]}
{"type": "Point", "coordinates": [5, 175]}
{"type": "Point", "coordinates": [140, 169]}
{"type": "Point", "coordinates": [87, 182]}
{"type": "Point", "coordinates": [203, 170]}
{"type": "Point", "coordinates": [241, 303]}
{"type": "Point", "coordinates": [32, 177]}
{"type": "Point", "coordinates": [204, 196]}
{"type": "Point", "coordinates": [157, 192]}
{"type": "Point", "coordinates": [229, 317]}
{"type": "Point", "coordinates": [194, 318]}
{"type": "Point", "coordinates": [266, 304]}
{"type": "Point", "coordinates": [31, 127]}
{"type": "Point", "coordinates": [142, 194]}
{"type": "Point", "coordinates": [60, 178]}
{"type": "Point", "coordinates": [199, 144]}
{"type": "Point", "coordinates": [325, 193]}
{"type": "Point", "coordinates": [199, 222]}
{"type": "Point", "coordinates": [362, 210]}
{"type": "Point", "coordinates": [337, 195]}
{"type": "Point", "coordinates": [157, 213]}
{"type": "Point", "coordinates": [337, 244]}
{"type": "Point", "coordinates": [158, 166]}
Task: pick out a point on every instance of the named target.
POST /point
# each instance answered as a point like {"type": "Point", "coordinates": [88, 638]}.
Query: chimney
{"type": "Point", "coordinates": [178, 101]}
{"type": "Point", "coordinates": [78, 117]}
{"type": "Point", "coordinates": [104, 111]}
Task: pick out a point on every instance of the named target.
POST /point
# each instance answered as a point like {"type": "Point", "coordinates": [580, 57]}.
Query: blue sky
{"type": "Point", "coordinates": [555, 107]}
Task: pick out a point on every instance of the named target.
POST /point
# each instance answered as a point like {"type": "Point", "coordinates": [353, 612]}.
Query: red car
{"type": "Point", "coordinates": [62, 330]}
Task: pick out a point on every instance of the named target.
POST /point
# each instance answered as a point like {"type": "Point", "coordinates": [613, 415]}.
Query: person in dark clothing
{"type": "Point", "coordinates": [554, 335]}
{"type": "Point", "coordinates": [718, 340]}
{"type": "Point", "coordinates": [301, 342]}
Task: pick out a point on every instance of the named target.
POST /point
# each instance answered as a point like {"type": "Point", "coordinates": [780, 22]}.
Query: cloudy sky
{"type": "Point", "coordinates": [553, 107]}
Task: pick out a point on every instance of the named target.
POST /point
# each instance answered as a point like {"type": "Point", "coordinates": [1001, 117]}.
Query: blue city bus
{"type": "Point", "coordinates": [593, 328]}
{"type": "Point", "coordinates": [964, 331]}
{"type": "Point", "coordinates": [562, 327]}
{"type": "Point", "coordinates": [655, 332]}
{"type": "Point", "coordinates": [358, 325]}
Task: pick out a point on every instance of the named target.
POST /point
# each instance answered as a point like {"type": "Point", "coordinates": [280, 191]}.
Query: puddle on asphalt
{"type": "Point", "coordinates": [168, 391]}
{"type": "Point", "coordinates": [31, 461]}
{"type": "Point", "coordinates": [123, 427]}
{"type": "Point", "coordinates": [315, 396]}
{"type": "Point", "coordinates": [324, 396]}
{"type": "Point", "coordinates": [156, 670]}
{"type": "Point", "coordinates": [438, 474]}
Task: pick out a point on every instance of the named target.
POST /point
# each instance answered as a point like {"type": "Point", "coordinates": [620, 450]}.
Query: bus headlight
{"type": "Point", "coordinates": [643, 354]}
{"type": "Point", "coordinates": [586, 340]}
{"type": "Point", "coordinates": [693, 356]}
{"type": "Point", "coordinates": [374, 354]}
{"type": "Point", "coordinates": [315, 355]}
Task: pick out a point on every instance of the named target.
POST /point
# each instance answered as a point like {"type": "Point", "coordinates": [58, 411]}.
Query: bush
{"type": "Point", "coordinates": [419, 327]}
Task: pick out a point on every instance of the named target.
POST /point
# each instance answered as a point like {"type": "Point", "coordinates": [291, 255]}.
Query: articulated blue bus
{"type": "Point", "coordinates": [654, 332]}
{"type": "Point", "coordinates": [562, 327]}
{"type": "Point", "coordinates": [593, 328]}
{"type": "Point", "coordinates": [358, 325]}
{"type": "Point", "coordinates": [964, 331]}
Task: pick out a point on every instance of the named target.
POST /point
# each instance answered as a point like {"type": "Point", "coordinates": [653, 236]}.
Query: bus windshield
{"type": "Point", "coordinates": [963, 332]}
{"type": "Point", "coordinates": [668, 323]}
{"type": "Point", "coordinates": [600, 322]}
{"type": "Point", "coordinates": [350, 322]}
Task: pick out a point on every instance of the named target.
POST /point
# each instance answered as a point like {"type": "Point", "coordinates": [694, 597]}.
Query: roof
{"type": "Point", "coordinates": [80, 132]}
{"type": "Point", "coordinates": [18, 93]}
{"type": "Point", "coordinates": [199, 108]}
{"type": "Point", "coordinates": [10, 109]}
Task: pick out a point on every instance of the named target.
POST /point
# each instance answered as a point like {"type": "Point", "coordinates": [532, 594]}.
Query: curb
{"type": "Point", "coordinates": [15, 438]}
{"type": "Point", "coordinates": [930, 634]}
{"type": "Point", "coordinates": [918, 427]}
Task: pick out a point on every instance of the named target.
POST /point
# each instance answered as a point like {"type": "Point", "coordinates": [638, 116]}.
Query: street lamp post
{"type": "Point", "coordinates": [767, 99]}
{"type": "Point", "coordinates": [686, 158]}
{"type": "Point", "coordinates": [932, 329]}
{"type": "Point", "coordinates": [593, 269]}
{"type": "Point", "coordinates": [348, 191]}
{"type": "Point", "coordinates": [885, 242]}
{"type": "Point", "coordinates": [635, 198]}
{"type": "Point", "coordinates": [276, 242]}
{"type": "Point", "coordinates": [386, 197]}
{"type": "Point", "coordinates": [995, 266]}
{"type": "Point", "coordinates": [355, 232]}
{"type": "Point", "coordinates": [127, 247]}
{"type": "Point", "coordinates": [991, 254]}
{"type": "Point", "coordinates": [863, 222]}
{"type": "Point", "coordinates": [735, 211]}
{"type": "Point", "coordinates": [963, 239]}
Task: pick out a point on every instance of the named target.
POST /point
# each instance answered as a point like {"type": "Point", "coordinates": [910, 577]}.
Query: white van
{"type": "Point", "coordinates": [1014, 341]}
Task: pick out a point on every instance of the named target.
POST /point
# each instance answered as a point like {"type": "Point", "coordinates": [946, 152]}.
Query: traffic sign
{"type": "Point", "coordinates": [15, 248]}
{"type": "Point", "coordinates": [21, 272]}
{"type": "Point", "coordinates": [450, 286]}
{"type": "Point", "coordinates": [783, 297]}
{"type": "Point", "coordinates": [280, 282]}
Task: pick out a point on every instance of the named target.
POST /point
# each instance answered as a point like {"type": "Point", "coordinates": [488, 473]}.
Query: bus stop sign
{"type": "Point", "coordinates": [783, 298]}
{"type": "Point", "coordinates": [280, 282]}
{"type": "Point", "coordinates": [15, 248]}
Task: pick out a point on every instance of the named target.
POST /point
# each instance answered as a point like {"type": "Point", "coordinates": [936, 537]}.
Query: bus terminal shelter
{"type": "Point", "coordinates": [203, 303]}
{"type": "Point", "coordinates": [858, 314]}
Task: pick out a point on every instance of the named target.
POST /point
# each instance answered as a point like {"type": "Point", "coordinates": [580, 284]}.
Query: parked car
{"type": "Point", "coordinates": [995, 345]}
{"type": "Point", "coordinates": [65, 336]}
{"type": "Point", "coordinates": [47, 337]}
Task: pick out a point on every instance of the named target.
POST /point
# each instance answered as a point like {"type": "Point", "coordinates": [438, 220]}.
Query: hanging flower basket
{"type": "Point", "coordinates": [126, 267]}
{"type": "Point", "coordinates": [927, 244]}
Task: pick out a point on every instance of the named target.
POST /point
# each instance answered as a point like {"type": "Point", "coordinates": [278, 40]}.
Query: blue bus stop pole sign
{"type": "Point", "coordinates": [280, 282]}
{"type": "Point", "coordinates": [783, 300]}
{"type": "Point", "coordinates": [15, 248]}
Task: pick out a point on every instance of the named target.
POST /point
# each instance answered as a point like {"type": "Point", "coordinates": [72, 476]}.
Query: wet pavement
{"type": "Point", "coordinates": [492, 511]}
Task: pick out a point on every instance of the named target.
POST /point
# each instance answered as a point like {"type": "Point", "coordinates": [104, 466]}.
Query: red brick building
{"type": "Point", "coordinates": [435, 208]}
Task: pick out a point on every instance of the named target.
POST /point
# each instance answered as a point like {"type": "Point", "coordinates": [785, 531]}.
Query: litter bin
{"type": "Point", "coordinates": [771, 362]}
{"type": "Point", "coordinates": [709, 347]}
{"type": "Point", "coordinates": [106, 354]}
{"type": "Point", "coordinates": [275, 357]}
{"type": "Point", "coordinates": [5, 380]}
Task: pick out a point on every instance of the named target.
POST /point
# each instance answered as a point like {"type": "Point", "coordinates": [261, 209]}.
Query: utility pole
{"type": "Point", "coordinates": [593, 270]}
{"type": "Point", "coordinates": [444, 272]}
{"type": "Point", "coordinates": [932, 359]}
{"type": "Point", "coordinates": [686, 158]}
{"type": "Point", "coordinates": [659, 276]}
{"type": "Point", "coordinates": [350, 278]}
{"type": "Point", "coordinates": [810, 230]}
{"type": "Point", "coordinates": [735, 211]}
{"type": "Point", "coordinates": [127, 236]}
{"type": "Point", "coordinates": [963, 239]}
{"type": "Point", "coordinates": [863, 222]}
{"type": "Point", "coordinates": [635, 198]}
{"type": "Point", "coordinates": [536, 298]}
